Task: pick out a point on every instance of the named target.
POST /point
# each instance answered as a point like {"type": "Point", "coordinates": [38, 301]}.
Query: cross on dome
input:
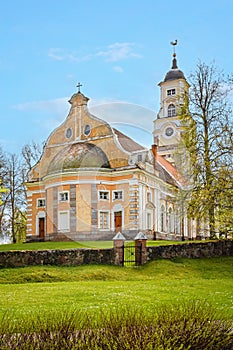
{"type": "Point", "coordinates": [78, 86]}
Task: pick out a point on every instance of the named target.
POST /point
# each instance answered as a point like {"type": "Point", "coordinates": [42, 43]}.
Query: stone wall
{"type": "Point", "coordinates": [57, 257]}
{"type": "Point", "coordinates": [73, 257]}
{"type": "Point", "coordinates": [191, 250]}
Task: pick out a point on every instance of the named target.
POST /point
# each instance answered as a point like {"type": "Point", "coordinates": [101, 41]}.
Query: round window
{"type": "Point", "coordinates": [169, 131]}
{"type": "Point", "coordinates": [69, 133]}
{"type": "Point", "coordinates": [87, 130]}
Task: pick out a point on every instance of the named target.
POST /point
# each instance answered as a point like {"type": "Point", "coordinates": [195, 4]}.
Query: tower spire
{"type": "Point", "coordinates": [174, 61]}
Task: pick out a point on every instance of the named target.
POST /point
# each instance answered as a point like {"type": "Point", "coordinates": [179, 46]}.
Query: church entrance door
{"type": "Point", "coordinates": [118, 221]}
{"type": "Point", "coordinates": [41, 228]}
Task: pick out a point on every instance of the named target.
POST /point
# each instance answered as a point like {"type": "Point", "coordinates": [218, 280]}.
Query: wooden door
{"type": "Point", "coordinates": [41, 228]}
{"type": "Point", "coordinates": [118, 221]}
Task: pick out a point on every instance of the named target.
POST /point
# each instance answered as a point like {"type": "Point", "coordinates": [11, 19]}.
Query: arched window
{"type": "Point", "coordinates": [148, 196]}
{"type": "Point", "coordinates": [162, 218]}
{"type": "Point", "coordinates": [171, 111]}
{"type": "Point", "coordinates": [171, 220]}
{"type": "Point", "coordinates": [148, 221]}
{"type": "Point", "coordinates": [177, 222]}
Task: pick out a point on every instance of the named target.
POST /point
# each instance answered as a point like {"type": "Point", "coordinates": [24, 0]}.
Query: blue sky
{"type": "Point", "coordinates": [119, 50]}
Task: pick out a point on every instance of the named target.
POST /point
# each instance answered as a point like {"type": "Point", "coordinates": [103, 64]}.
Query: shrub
{"type": "Point", "coordinates": [185, 327]}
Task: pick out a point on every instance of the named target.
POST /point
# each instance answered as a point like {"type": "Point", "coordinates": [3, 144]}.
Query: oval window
{"type": "Point", "coordinates": [87, 130]}
{"type": "Point", "coordinates": [68, 133]}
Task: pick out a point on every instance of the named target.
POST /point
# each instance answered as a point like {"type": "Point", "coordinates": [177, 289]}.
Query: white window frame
{"type": "Point", "coordinates": [163, 218]}
{"type": "Point", "coordinates": [177, 222]}
{"type": "Point", "coordinates": [121, 198]}
{"type": "Point", "coordinates": [171, 92]}
{"type": "Point", "coordinates": [149, 220]}
{"type": "Point", "coordinates": [101, 220]}
{"type": "Point", "coordinates": [42, 200]}
{"type": "Point", "coordinates": [171, 224]}
{"type": "Point", "coordinates": [149, 196]}
{"type": "Point", "coordinates": [100, 195]}
{"type": "Point", "coordinates": [67, 228]}
{"type": "Point", "coordinates": [139, 157]}
{"type": "Point", "coordinates": [171, 110]}
{"type": "Point", "coordinates": [63, 193]}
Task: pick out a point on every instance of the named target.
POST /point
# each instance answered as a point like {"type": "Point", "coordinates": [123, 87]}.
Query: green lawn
{"type": "Point", "coordinates": [73, 245]}
{"type": "Point", "coordinates": [29, 290]}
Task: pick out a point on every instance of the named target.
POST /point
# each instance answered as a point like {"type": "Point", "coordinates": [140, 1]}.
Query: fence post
{"type": "Point", "coordinates": [140, 249]}
{"type": "Point", "coordinates": [119, 241]}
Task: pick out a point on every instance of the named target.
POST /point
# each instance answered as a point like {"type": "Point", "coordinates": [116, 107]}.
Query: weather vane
{"type": "Point", "coordinates": [174, 43]}
{"type": "Point", "coordinates": [78, 86]}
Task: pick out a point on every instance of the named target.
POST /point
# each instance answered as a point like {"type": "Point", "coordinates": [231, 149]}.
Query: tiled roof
{"type": "Point", "coordinates": [167, 172]}
{"type": "Point", "coordinates": [127, 143]}
{"type": "Point", "coordinates": [172, 173]}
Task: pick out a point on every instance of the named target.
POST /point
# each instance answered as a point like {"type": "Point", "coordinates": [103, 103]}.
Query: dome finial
{"type": "Point", "coordinates": [174, 43]}
{"type": "Point", "coordinates": [174, 62]}
{"type": "Point", "coordinates": [79, 86]}
{"type": "Point", "coordinates": [174, 73]}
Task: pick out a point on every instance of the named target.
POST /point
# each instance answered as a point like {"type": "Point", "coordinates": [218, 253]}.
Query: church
{"type": "Point", "coordinates": [93, 181]}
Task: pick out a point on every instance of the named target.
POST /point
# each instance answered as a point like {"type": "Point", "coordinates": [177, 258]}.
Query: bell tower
{"type": "Point", "coordinates": [167, 126]}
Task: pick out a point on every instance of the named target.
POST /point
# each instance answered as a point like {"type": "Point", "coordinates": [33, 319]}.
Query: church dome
{"type": "Point", "coordinates": [174, 73]}
{"type": "Point", "coordinates": [79, 155]}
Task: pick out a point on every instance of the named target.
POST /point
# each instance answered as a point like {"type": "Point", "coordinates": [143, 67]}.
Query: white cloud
{"type": "Point", "coordinates": [59, 106]}
{"type": "Point", "coordinates": [120, 112]}
{"type": "Point", "coordinates": [56, 54]}
{"type": "Point", "coordinates": [134, 120]}
{"type": "Point", "coordinates": [118, 51]}
{"type": "Point", "coordinates": [112, 53]}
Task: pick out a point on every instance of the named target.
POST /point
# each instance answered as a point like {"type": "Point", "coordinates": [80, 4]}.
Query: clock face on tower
{"type": "Point", "coordinates": [169, 131]}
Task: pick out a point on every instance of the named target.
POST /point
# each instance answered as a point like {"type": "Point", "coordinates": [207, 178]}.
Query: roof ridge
{"type": "Point", "coordinates": [170, 169]}
{"type": "Point", "coordinates": [131, 145]}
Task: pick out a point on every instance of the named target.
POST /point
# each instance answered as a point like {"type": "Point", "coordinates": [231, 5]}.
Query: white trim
{"type": "Point", "coordinates": [76, 140]}
{"type": "Point", "coordinates": [39, 215]}
{"type": "Point", "coordinates": [35, 192]}
{"type": "Point", "coordinates": [117, 199]}
{"type": "Point", "coordinates": [40, 199]}
{"type": "Point", "coordinates": [104, 199]}
{"type": "Point", "coordinates": [60, 193]}
{"type": "Point", "coordinates": [116, 208]}
{"type": "Point", "coordinates": [149, 213]}
{"type": "Point", "coordinates": [59, 221]}
{"type": "Point", "coordinates": [108, 220]}
{"type": "Point", "coordinates": [85, 182]}
{"type": "Point", "coordinates": [118, 144]}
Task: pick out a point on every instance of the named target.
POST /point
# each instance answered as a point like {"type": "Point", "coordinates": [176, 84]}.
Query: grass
{"type": "Point", "coordinates": [166, 304]}
{"type": "Point", "coordinates": [55, 245]}
{"type": "Point", "coordinates": [188, 326]}
{"type": "Point", "coordinates": [28, 290]}
{"type": "Point", "coordinates": [74, 245]}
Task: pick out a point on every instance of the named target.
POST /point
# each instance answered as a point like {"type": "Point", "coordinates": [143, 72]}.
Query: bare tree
{"type": "Point", "coordinates": [13, 174]}
{"type": "Point", "coordinates": [5, 193]}
{"type": "Point", "coordinates": [208, 140]}
{"type": "Point", "coordinates": [16, 197]}
{"type": "Point", "coordinates": [31, 153]}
